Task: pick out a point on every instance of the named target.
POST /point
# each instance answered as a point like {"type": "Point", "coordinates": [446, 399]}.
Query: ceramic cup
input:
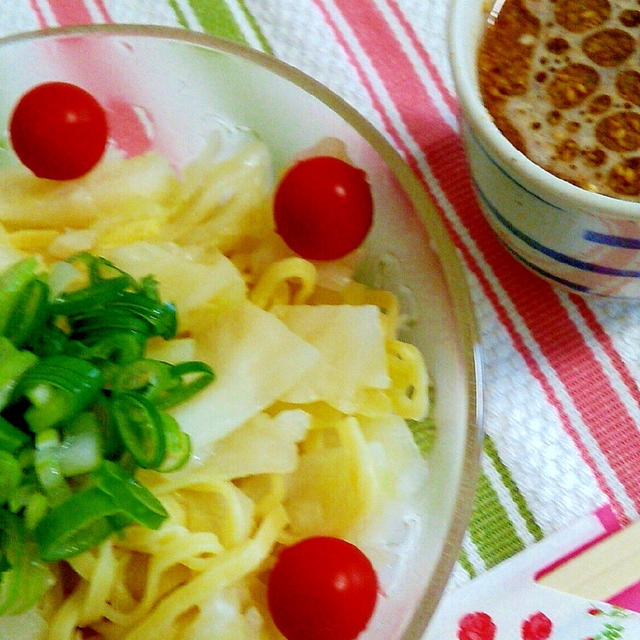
{"type": "Point", "coordinates": [582, 241]}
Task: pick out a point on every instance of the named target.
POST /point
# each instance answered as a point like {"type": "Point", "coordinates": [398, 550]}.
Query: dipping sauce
{"type": "Point", "coordinates": [560, 79]}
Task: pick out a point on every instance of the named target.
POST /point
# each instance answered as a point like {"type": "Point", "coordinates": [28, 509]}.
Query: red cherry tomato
{"type": "Point", "coordinates": [323, 208]}
{"type": "Point", "coordinates": [322, 588]}
{"type": "Point", "coordinates": [58, 130]}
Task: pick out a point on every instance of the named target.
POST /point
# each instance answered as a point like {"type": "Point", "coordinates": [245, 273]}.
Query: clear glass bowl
{"type": "Point", "coordinates": [168, 89]}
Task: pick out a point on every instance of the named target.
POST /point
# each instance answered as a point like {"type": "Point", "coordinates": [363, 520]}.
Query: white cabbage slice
{"type": "Point", "coordinates": [144, 182]}
{"type": "Point", "coordinates": [256, 359]}
{"type": "Point", "coordinates": [224, 201]}
{"type": "Point", "coordinates": [195, 287]}
{"type": "Point", "coordinates": [228, 616]}
{"type": "Point", "coordinates": [351, 342]}
{"type": "Point", "coordinates": [264, 444]}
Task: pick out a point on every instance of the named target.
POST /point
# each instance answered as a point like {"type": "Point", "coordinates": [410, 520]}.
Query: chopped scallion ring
{"type": "Point", "coordinates": [96, 295]}
{"type": "Point", "coordinates": [10, 475]}
{"type": "Point", "coordinates": [11, 438]}
{"type": "Point", "coordinates": [76, 525]}
{"type": "Point", "coordinates": [135, 501]}
{"type": "Point", "coordinates": [177, 445]}
{"type": "Point", "coordinates": [140, 426]}
{"type": "Point", "coordinates": [189, 378]}
{"type": "Point", "coordinates": [29, 314]}
{"type": "Point", "coordinates": [58, 388]}
{"type": "Point", "coordinates": [82, 409]}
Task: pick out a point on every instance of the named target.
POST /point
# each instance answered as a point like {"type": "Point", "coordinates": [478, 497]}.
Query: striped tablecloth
{"type": "Point", "coordinates": [562, 412]}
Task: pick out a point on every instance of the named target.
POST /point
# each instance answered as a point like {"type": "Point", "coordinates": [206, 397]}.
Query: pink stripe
{"type": "Point", "coordinates": [102, 9]}
{"type": "Point", "coordinates": [534, 368]}
{"type": "Point", "coordinates": [424, 56]}
{"type": "Point", "coordinates": [68, 12]}
{"type": "Point", "coordinates": [596, 400]}
{"type": "Point", "coordinates": [39, 15]}
{"type": "Point", "coordinates": [386, 120]}
{"type": "Point", "coordinates": [80, 56]}
{"type": "Point", "coordinates": [605, 340]}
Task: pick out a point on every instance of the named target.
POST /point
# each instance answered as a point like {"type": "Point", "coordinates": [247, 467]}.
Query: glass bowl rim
{"type": "Point", "coordinates": [453, 272]}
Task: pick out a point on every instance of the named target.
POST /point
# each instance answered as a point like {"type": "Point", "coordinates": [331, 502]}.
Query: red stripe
{"type": "Point", "coordinates": [534, 300]}
{"type": "Point", "coordinates": [68, 12]}
{"type": "Point", "coordinates": [362, 76]}
{"type": "Point", "coordinates": [79, 58]}
{"type": "Point", "coordinates": [516, 338]}
{"type": "Point", "coordinates": [616, 360]}
{"type": "Point", "coordinates": [102, 10]}
{"type": "Point", "coordinates": [586, 313]}
{"type": "Point", "coordinates": [39, 15]}
{"type": "Point", "coordinates": [532, 364]}
{"type": "Point", "coordinates": [424, 55]}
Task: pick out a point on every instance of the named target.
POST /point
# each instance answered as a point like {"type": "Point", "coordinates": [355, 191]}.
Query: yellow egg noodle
{"type": "Point", "coordinates": [304, 431]}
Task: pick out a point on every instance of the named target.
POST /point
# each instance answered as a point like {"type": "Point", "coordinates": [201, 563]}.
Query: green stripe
{"type": "Point", "coordinates": [490, 528]}
{"type": "Point", "coordinates": [180, 17]}
{"type": "Point", "coordinates": [516, 496]}
{"type": "Point", "coordinates": [216, 18]}
{"type": "Point", "coordinates": [256, 27]}
{"type": "Point", "coordinates": [465, 563]}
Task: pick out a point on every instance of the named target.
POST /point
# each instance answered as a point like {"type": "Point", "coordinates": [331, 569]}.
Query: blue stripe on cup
{"type": "Point", "coordinates": [609, 240]}
{"type": "Point", "coordinates": [580, 288]}
{"type": "Point", "coordinates": [549, 252]}
{"type": "Point", "coordinates": [508, 176]}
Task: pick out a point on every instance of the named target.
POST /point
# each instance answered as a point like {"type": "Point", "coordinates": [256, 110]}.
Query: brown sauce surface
{"type": "Point", "coordinates": [560, 79]}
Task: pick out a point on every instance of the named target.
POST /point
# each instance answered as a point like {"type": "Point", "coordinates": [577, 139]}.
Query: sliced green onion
{"type": "Point", "coordinates": [135, 501]}
{"type": "Point", "coordinates": [21, 495]}
{"type": "Point", "coordinates": [188, 379]}
{"type": "Point", "coordinates": [148, 286]}
{"type": "Point", "coordinates": [35, 508]}
{"type": "Point", "coordinates": [47, 466]}
{"type": "Point", "coordinates": [81, 447]}
{"type": "Point", "coordinates": [177, 445]}
{"type": "Point", "coordinates": [111, 441]}
{"type": "Point", "coordinates": [10, 475]}
{"type": "Point", "coordinates": [78, 524]}
{"type": "Point", "coordinates": [82, 410]}
{"type": "Point", "coordinates": [58, 387]}
{"type": "Point", "coordinates": [120, 520]}
{"type": "Point", "coordinates": [98, 268]}
{"type": "Point", "coordinates": [11, 438]}
{"type": "Point", "coordinates": [161, 316]}
{"type": "Point", "coordinates": [12, 282]}
{"type": "Point", "coordinates": [13, 364]}
{"type": "Point", "coordinates": [51, 340]}
{"type": "Point", "coordinates": [145, 376]}
{"type": "Point", "coordinates": [95, 325]}
{"type": "Point", "coordinates": [96, 295]}
{"type": "Point", "coordinates": [120, 347]}
{"type": "Point", "coordinates": [29, 500]}
{"type": "Point", "coordinates": [140, 426]}
{"type": "Point", "coordinates": [26, 579]}
{"type": "Point", "coordinates": [29, 314]}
